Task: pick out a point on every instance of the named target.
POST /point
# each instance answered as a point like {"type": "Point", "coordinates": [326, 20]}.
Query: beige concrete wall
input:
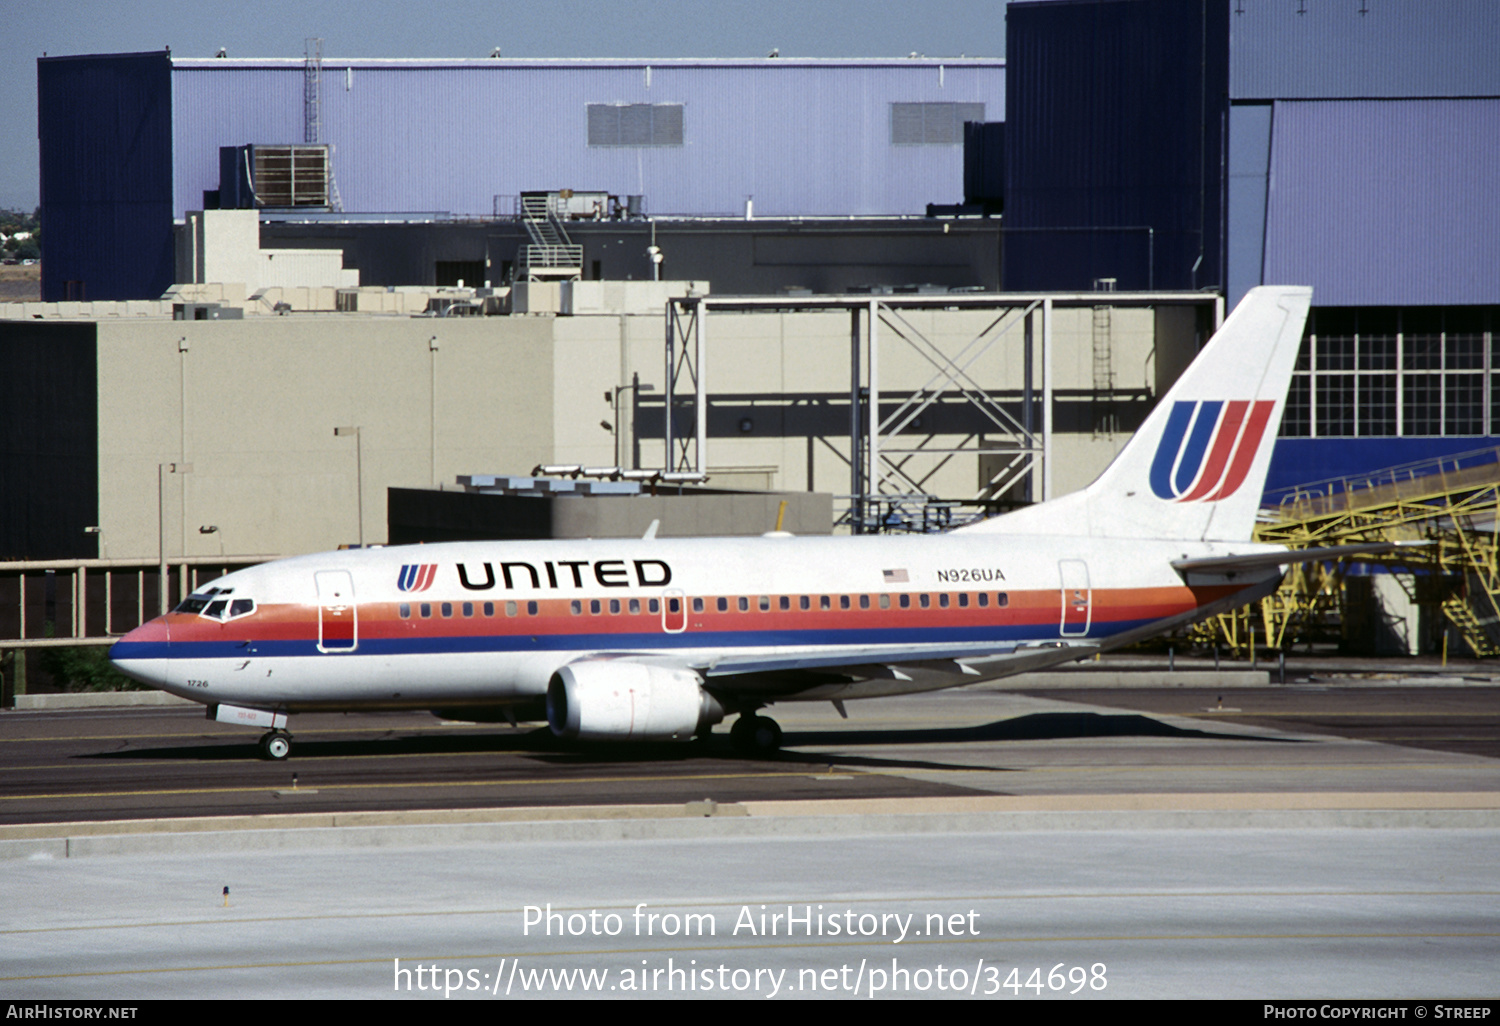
{"type": "Point", "coordinates": [252, 405]}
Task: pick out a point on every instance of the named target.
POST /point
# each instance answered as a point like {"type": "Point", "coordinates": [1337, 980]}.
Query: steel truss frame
{"type": "Point", "coordinates": [890, 461]}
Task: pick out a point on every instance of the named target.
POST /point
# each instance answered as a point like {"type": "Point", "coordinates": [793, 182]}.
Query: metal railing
{"type": "Point", "coordinates": [1434, 475]}
{"type": "Point", "coordinates": [61, 602]}
{"type": "Point", "coordinates": [551, 256]}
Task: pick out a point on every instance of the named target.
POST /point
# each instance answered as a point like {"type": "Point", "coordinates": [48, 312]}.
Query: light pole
{"type": "Point", "coordinates": [654, 254]}
{"type": "Point", "coordinates": [359, 473]}
{"type": "Point", "coordinates": [162, 470]}
{"type": "Point", "coordinates": [214, 529]}
{"type": "Point", "coordinates": [613, 397]}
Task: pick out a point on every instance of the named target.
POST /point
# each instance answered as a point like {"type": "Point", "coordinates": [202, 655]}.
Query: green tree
{"type": "Point", "coordinates": [85, 668]}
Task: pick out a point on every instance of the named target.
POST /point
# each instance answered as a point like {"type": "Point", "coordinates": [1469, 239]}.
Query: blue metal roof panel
{"type": "Point", "coordinates": [805, 138]}
{"type": "Point", "coordinates": [1386, 202]}
{"type": "Point", "coordinates": [1314, 49]}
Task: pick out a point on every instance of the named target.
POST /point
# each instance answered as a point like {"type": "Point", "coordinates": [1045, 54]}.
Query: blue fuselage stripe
{"type": "Point", "coordinates": [643, 641]}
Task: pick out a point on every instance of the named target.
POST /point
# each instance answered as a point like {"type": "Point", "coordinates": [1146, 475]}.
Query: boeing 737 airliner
{"type": "Point", "coordinates": [650, 639]}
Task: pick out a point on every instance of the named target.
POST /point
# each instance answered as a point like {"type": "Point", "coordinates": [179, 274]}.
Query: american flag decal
{"type": "Point", "coordinates": [895, 576]}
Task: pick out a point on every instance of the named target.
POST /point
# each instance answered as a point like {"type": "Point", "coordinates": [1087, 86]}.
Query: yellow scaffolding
{"type": "Point", "coordinates": [1451, 504]}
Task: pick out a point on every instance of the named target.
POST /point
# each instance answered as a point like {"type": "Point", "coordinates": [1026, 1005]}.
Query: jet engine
{"type": "Point", "coordinates": [618, 700]}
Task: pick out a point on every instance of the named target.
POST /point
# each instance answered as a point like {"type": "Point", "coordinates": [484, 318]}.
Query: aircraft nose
{"type": "Point", "coordinates": [142, 653]}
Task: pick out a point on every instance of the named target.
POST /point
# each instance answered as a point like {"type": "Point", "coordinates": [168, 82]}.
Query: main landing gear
{"type": "Point", "coordinates": [276, 745]}
{"type": "Point", "coordinates": [755, 735]}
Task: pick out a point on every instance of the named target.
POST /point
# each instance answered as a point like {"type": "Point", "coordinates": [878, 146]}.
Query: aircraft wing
{"type": "Point", "coordinates": [868, 675]}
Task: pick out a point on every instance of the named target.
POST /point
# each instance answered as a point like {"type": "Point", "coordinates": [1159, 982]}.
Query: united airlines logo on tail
{"type": "Point", "coordinates": [1207, 448]}
{"type": "Point", "coordinates": [416, 576]}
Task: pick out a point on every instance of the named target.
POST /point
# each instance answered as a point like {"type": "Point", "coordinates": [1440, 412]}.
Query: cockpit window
{"type": "Point", "coordinates": [216, 608]}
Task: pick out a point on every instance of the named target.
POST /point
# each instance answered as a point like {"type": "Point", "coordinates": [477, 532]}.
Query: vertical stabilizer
{"type": "Point", "coordinates": [1196, 469]}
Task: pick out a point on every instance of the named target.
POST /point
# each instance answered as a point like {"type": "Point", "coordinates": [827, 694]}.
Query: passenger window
{"type": "Point", "coordinates": [744, 604]}
{"type": "Point", "coordinates": [824, 602]}
{"type": "Point", "coordinates": [864, 602]}
{"type": "Point", "coordinates": [653, 606]}
{"type": "Point", "coordinates": [510, 609]}
{"type": "Point", "coordinates": [531, 609]}
{"type": "Point", "coordinates": [905, 602]}
{"type": "Point", "coordinates": [697, 605]}
{"type": "Point", "coordinates": [635, 607]}
{"type": "Point", "coordinates": [404, 609]}
{"type": "Point", "coordinates": [843, 601]}
{"type": "Point", "coordinates": [1002, 599]}
{"type": "Point", "coordinates": [614, 606]}
{"type": "Point", "coordinates": [765, 603]}
{"type": "Point", "coordinates": [723, 604]}
{"type": "Point", "coordinates": [468, 609]}
{"type": "Point", "coordinates": [447, 608]}
{"type": "Point", "coordinates": [943, 600]}
{"type": "Point", "coordinates": [924, 600]}
{"type": "Point", "coordinates": [885, 602]}
{"type": "Point", "coordinates": [489, 609]}
{"type": "Point", "coordinates": [425, 609]}
{"type": "Point", "coordinates": [674, 605]}
{"type": "Point", "coordinates": [963, 600]}
{"type": "Point", "coordinates": [803, 602]}
{"type": "Point", "coordinates": [575, 607]}
{"type": "Point", "coordinates": [984, 599]}
{"type": "Point", "coordinates": [786, 602]}
{"type": "Point", "coordinates": [594, 607]}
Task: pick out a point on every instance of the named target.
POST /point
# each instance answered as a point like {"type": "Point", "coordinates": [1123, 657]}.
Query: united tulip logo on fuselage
{"type": "Point", "coordinates": [416, 576]}
{"type": "Point", "coordinates": [1208, 446]}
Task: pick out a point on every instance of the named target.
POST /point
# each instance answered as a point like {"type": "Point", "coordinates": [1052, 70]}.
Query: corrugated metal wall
{"type": "Point", "coordinates": [1114, 130]}
{"type": "Point", "coordinates": [1386, 202]}
{"type": "Point", "coordinates": [805, 138]}
{"type": "Point", "coordinates": [1322, 49]}
{"type": "Point", "coordinates": [105, 135]}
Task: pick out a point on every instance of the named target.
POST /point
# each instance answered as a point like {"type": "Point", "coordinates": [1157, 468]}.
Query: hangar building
{"type": "Point", "coordinates": [132, 142]}
{"type": "Point", "coordinates": [1161, 144]}
{"type": "Point", "coordinates": [1353, 146]}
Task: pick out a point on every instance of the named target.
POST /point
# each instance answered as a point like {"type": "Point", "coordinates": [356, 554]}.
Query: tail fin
{"type": "Point", "coordinates": [1196, 469]}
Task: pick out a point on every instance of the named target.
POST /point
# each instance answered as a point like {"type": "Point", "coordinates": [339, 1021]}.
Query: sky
{"type": "Point", "coordinates": [463, 28]}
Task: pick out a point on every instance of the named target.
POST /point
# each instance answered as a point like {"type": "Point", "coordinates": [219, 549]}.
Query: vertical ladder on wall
{"type": "Point", "coordinates": [1104, 375]}
{"type": "Point", "coordinates": [312, 113]}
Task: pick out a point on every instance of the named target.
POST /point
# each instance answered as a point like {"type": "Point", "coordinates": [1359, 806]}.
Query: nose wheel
{"type": "Point", "coordinates": [754, 735]}
{"type": "Point", "coordinates": [275, 746]}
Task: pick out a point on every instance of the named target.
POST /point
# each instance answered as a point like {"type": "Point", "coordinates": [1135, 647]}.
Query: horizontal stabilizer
{"type": "Point", "coordinates": [1286, 557]}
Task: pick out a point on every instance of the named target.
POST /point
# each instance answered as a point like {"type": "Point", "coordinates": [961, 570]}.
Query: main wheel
{"type": "Point", "coordinates": [755, 735]}
{"type": "Point", "coordinates": [276, 746]}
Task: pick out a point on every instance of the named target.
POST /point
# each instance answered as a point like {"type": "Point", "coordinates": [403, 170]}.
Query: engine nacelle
{"type": "Point", "coordinates": [619, 700]}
